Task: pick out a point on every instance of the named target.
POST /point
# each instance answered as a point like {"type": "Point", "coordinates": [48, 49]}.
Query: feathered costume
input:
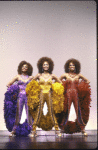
{"type": "Point", "coordinates": [15, 98]}
{"type": "Point", "coordinates": [39, 93]}
{"type": "Point", "coordinates": [78, 93]}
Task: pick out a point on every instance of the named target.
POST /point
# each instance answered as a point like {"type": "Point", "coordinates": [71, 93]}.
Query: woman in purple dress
{"type": "Point", "coordinates": [23, 78]}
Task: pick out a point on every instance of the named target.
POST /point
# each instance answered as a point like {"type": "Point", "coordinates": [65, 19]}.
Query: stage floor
{"type": "Point", "coordinates": [48, 140]}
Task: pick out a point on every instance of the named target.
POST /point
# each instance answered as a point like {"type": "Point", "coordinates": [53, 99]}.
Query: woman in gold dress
{"type": "Point", "coordinates": [42, 89]}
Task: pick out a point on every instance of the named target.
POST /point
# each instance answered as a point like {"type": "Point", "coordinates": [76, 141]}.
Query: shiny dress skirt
{"type": "Point", "coordinates": [39, 93]}
{"type": "Point", "coordinates": [79, 93]}
{"type": "Point", "coordinates": [15, 98]}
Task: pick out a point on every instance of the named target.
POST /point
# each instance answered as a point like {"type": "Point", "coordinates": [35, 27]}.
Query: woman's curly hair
{"type": "Point", "coordinates": [75, 62]}
{"type": "Point", "coordinates": [40, 64]}
{"type": "Point", "coordinates": [30, 68]}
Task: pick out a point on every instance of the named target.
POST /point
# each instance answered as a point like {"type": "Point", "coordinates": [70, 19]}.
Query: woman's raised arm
{"type": "Point", "coordinates": [83, 78]}
{"type": "Point", "coordinates": [12, 81]}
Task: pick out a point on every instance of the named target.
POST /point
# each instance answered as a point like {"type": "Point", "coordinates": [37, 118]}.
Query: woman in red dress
{"type": "Point", "coordinates": [77, 90]}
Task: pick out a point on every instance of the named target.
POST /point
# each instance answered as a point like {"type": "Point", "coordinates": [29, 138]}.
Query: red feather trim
{"type": "Point", "coordinates": [84, 92]}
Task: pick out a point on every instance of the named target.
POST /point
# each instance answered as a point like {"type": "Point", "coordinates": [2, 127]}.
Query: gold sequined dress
{"type": "Point", "coordinates": [39, 93]}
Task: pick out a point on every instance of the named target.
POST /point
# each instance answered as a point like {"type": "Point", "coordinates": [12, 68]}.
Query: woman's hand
{"type": "Point", "coordinates": [12, 81]}
{"type": "Point", "coordinates": [31, 77]}
{"type": "Point", "coordinates": [83, 78]}
{"type": "Point", "coordinates": [37, 76]}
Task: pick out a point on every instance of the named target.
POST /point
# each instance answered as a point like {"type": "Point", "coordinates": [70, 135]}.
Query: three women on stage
{"type": "Point", "coordinates": [58, 95]}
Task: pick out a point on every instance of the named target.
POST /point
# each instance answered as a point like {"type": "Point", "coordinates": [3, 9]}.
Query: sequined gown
{"type": "Point", "coordinates": [77, 93]}
{"type": "Point", "coordinates": [46, 122]}
{"type": "Point", "coordinates": [22, 101]}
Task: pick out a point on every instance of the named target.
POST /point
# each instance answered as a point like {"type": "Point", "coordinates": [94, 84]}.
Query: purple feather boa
{"type": "Point", "coordinates": [10, 104]}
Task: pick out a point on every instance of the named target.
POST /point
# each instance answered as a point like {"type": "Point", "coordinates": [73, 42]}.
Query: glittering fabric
{"type": "Point", "coordinates": [57, 97]}
{"type": "Point", "coordinates": [10, 105]}
{"type": "Point", "coordinates": [79, 94]}
{"type": "Point", "coordinates": [33, 91]}
{"type": "Point", "coordinates": [15, 99]}
{"type": "Point", "coordinates": [38, 94]}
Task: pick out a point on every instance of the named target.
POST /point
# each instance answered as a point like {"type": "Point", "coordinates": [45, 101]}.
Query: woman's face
{"type": "Point", "coordinates": [71, 66]}
{"type": "Point", "coordinates": [24, 68]}
{"type": "Point", "coordinates": [45, 66]}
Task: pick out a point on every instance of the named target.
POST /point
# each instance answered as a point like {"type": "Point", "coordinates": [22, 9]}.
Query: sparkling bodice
{"type": "Point", "coordinates": [45, 85]}
{"type": "Point", "coordinates": [22, 85]}
{"type": "Point", "coordinates": [72, 84]}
